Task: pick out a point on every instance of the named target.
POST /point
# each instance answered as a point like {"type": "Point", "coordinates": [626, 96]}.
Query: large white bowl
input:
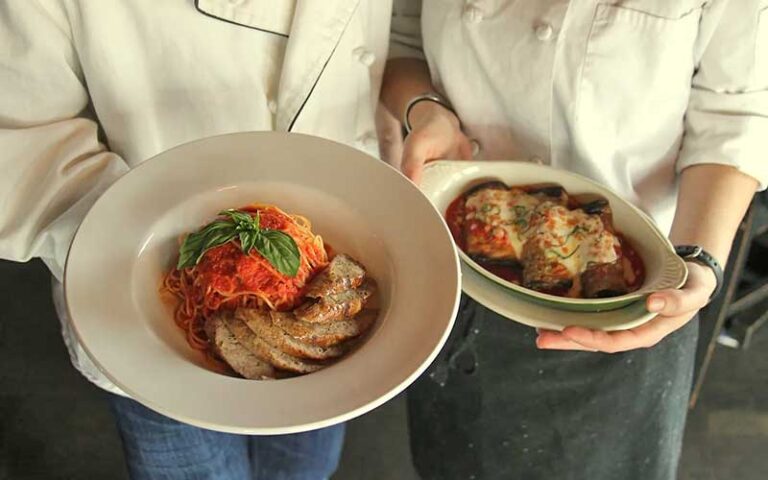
{"type": "Point", "coordinates": [444, 181]}
{"type": "Point", "coordinates": [357, 203]}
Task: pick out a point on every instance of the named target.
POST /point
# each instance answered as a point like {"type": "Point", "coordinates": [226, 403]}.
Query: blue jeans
{"type": "Point", "coordinates": [159, 448]}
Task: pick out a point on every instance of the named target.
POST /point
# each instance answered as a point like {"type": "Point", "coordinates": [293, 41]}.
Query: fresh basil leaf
{"type": "Point", "coordinates": [245, 240]}
{"type": "Point", "coordinates": [188, 251]}
{"type": "Point", "coordinates": [248, 241]}
{"type": "Point", "coordinates": [256, 222]}
{"type": "Point", "coordinates": [196, 244]}
{"type": "Point", "coordinates": [243, 219]}
{"type": "Point", "coordinates": [277, 247]}
{"type": "Point", "coordinates": [280, 250]}
{"type": "Point", "coordinates": [253, 239]}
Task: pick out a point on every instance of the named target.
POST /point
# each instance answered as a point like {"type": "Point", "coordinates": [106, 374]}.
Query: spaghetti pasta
{"type": "Point", "coordinates": [225, 278]}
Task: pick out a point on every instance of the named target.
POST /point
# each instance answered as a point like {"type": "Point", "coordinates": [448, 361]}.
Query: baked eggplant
{"type": "Point", "coordinates": [601, 280]}
{"type": "Point", "coordinates": [559, 244]}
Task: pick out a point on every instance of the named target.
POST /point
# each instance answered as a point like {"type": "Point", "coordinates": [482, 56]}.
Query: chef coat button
{"type": "Point", "coordinates": [544, 32]}
{"type": "Point", "coordinates": [537, 160]}
{"type": "Point", "coordinates": [272, 106]}
{"type": "Point", "coordinates": [472, 14]}
{"type": "Point", "coordinates": [364, 56]}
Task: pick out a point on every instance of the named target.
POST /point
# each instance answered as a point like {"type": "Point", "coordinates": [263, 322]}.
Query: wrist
{"type": "Point", "coordinates": [697, 258]}
{"type": "Point", "coordinates": [706, 274]}
{"type": "Point", "coordinates": [422, 112]}
{"type": "Point", "coordinates": [422, 108]}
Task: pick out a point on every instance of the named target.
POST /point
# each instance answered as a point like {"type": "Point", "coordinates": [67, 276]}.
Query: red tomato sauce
{"type": "Point", "coordinates": [454, 217]}
{"type": "Point", "coordinates": [638, 268]}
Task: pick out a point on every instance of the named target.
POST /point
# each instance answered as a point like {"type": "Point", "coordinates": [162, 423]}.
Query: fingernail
{"type": "Point", "coordinates": [656, 304]}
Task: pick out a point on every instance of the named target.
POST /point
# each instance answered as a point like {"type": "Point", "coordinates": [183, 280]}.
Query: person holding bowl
{"type": "Point", "coordinates": [664, 102]}
{"type": "Point", "coordinates": [92, 89]}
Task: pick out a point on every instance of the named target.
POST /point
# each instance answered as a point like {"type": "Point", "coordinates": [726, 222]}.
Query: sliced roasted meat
{"type": "Point", "coordinates": [260, 323]}
{"type": "Point", "coordinates": [267, 352]}
{"type": "Point", "coordinates": [239, 358]}
{"type": "Point", "coordinates": [343, 273]}
{"type": "Point", "coordinates": [336, 307]}
{"type": "Point", "coordinates": [324, 334]}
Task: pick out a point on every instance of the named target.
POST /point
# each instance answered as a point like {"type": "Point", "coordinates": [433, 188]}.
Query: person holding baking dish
{"type": "Point", "coordinates": [90, 89]}
{"type": "Point", "coordinates": [665, 102]}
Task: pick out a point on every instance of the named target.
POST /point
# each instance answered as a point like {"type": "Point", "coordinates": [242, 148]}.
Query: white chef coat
{"type": "Point", "coordinates": [90, 89]}
{"type": "Point", "coordinates": [627, 92]}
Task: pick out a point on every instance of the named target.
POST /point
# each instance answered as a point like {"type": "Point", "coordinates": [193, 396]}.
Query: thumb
{"type": "Point", "coordinates": [415, 155]}
{"type": "Point", "coordinates": [670, 303]}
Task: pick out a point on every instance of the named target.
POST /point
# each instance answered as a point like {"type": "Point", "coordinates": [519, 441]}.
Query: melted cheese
{"type": "Point", "coordinates": [503, 221]}
{"type": "Point", "coordinates": [504, 216]}
{"type": "Point", "coordinates": [572, 237]}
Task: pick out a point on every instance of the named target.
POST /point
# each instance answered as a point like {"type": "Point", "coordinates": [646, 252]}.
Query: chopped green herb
{"type": "Point", "coordinates": [564, 257]}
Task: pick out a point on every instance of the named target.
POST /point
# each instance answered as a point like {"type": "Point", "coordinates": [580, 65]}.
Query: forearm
{"type": "Point", "coordinates": [54, 167]}
{"type": "Point", "coordinates": [404, 78]}
{"type": "Point", "coordinates": [435, 131]}
{"type": "Point", "coordinates": [711, 202]}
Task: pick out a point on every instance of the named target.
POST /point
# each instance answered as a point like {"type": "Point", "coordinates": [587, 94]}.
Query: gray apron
{"type": "Point", "coordinates": [493, 406]}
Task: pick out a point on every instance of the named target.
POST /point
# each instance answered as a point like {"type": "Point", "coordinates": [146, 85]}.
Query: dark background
{"type": "Point", "coordinates": [55, 425]}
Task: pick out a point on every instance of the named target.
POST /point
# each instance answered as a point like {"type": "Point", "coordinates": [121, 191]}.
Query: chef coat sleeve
{"type": "Point", "coordinates": [727, 116]}
{"type": "Point", "coordinates": [405, 30]}
{"type": "Point", "coordinates": [52, 165]}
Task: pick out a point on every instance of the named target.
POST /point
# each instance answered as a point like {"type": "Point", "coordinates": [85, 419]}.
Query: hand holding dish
{"type": "Point", "coordinates": [675, 308]}
{"type": "Point", "coordinates": [590, 250]}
